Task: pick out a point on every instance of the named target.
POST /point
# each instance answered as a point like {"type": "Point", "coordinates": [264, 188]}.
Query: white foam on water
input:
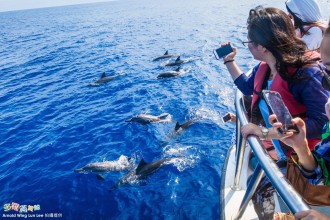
{"type": "Point", "coordinates": [209, 114]}
{"type": "Point", "coordinates": [183, 157]}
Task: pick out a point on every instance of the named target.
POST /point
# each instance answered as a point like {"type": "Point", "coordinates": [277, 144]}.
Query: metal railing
{"type": "Point", "coordinates": [265, 165]}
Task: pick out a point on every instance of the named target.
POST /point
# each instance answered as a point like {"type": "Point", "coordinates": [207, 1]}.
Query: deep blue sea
{"type": "Point", "coordinates": [52, 122]}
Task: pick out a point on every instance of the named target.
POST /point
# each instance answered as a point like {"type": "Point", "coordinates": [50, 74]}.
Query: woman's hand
{"type": "Point", "coordinates": [232, 67]}
{"type": "Point", "coordinates": [298, 142]}
{"type": "Point", "coordinates": [251, 129]}
{"type": "Point", "coordinates": [232, 117]}
{"type": "Point", "coordinates": [295, 141]}
{"type": "Point", "coordinates": [231, 55]}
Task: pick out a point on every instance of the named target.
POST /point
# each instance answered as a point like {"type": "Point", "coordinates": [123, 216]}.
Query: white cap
{"type": "Point", "coordinates": [306, 10]}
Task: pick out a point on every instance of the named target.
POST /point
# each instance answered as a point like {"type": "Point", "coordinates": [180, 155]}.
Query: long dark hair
{"type": "Point", "coordinates": [272, 29]}
{"type": "Point", "coordinates": [299, 23]}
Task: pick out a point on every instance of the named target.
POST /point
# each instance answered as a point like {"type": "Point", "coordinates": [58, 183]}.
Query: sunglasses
{"type": "Point", "coordinates": [325, 78]}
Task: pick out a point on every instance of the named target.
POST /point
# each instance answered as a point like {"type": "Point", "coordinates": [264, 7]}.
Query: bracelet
{"type": "Point", "coordinates": [228, 61]}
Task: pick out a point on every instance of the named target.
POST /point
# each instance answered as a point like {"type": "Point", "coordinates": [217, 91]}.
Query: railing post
{"type": "Point", "coordinates": [265, 165]}
{"type": "Point", "coordinates": [238, 136]}
{"type": "Point", "coordinates": [239, 161]}
{"type": "Point", "coordinates": [251, 188]}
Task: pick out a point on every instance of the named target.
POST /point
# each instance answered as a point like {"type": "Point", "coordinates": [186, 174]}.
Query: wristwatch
{"type": "Point", "coordinates": [264, 132]}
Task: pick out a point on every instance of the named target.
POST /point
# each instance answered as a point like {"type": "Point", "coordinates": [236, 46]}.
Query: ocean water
{"type": "Point", "coordinates": [52, 122]}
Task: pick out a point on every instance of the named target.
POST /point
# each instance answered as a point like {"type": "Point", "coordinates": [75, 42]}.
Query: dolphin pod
{"type": "Point", "coordinates": [117, 165]}
{"type": "Point", "coordinates": [103, 79]}
{"type": "Point", "coordinates": [142, 171]}
{"type": "Point", "coordinates": [177, 62]}
{"type": "Point", "coordinates": [166, 55]}
{"type": "Point", "coordinates": [148, 119]}
{"type": "Point", "coordinates": [171, 73]}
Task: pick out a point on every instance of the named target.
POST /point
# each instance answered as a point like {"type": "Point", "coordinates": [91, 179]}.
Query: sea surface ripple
{"type": "Point", "coordinates": [52, 122]}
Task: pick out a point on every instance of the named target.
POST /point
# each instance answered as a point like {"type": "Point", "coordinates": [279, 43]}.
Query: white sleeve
{"type": "Point", "coordinates": [313, 39]}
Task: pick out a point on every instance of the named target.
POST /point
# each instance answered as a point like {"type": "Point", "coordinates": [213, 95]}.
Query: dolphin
{"type": "Point", "coordinates": [177, 62]}
{"type": "Point", "coordinates": [117, 165]}
{"type": "Point", "coordinates": [166, 55]}
{"type": "Point", "coordinates": [171, 73]}
{"type": "Point", "coordinates": [142, 171]}
{"type": "Point", "coordinates": [180, 127]}
{"type": "Point", "coordinates": [103, 79]}
{"type": "Point", "coordinates": [148, 119]}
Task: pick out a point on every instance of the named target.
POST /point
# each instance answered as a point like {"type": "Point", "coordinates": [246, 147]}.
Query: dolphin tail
{"type": "Point", "coordinates": [103, 75]}
{"type": "Point", "coordinates": [163, 116]}
{"type": "Point", "coordinates": [166, 53]}
{"type": "Point", "coordinates": [177, 59]}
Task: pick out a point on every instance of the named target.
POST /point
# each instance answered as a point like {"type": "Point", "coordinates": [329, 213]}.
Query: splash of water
{"type": "Point", "coordinates": [183, 157]}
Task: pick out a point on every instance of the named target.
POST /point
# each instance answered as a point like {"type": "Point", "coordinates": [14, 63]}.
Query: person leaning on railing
{"type": "Point", "coordinates": [322, 154]}
{"type": "Point", "coordinates": [285, 62]}
{"type": "Point", "coordinates": [293, 72]}
{"type": "Point", "coordinates": [315, 165]}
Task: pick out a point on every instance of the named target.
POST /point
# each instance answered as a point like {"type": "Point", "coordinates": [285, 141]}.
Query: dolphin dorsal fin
{"type": "Point", "coordinates": [178, 69]}
{"type": "Point", "coordinates": [103, 75]}
{"type": "Point", "coordinates": [177, 126]}
{"type": "Point", "coordinates": [177, 59]}
{"type": "Point", "coordinates": [166, 53]}
{"type": "Point", "coordinates": [140, 166]}
{"type": "Point", "coordinates": [163, 116]}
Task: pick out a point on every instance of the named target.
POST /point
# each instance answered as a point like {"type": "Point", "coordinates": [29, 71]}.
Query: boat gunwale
{"type": "Point", "coordinates": [292, 199]}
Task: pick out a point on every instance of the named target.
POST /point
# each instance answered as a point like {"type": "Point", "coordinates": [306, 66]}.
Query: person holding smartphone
{"type": "Point", "coordinates": [298, 141]}
{"type": "Point", "coordinates": [286, 67]}
{"type": "Point", "coordinates": [316, 164]}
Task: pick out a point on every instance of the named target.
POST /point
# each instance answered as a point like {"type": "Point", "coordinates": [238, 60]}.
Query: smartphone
{"type": "Point", "coordinates": [276, 106]}
{"type": "Point", "coordinates": [226, 118]}
{"type": "Point", "coordinates": [222, 51]}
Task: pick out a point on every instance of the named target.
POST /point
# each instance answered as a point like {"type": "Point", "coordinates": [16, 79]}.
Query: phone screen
{"type": "Point", "coordinates": [222, 51]}
{"type": "Point", "coordinates": [277, 107]}
{"type": "Point", "coordinates": [226, 118]}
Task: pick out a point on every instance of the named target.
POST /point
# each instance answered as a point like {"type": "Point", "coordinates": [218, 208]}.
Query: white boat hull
{"type": "Point", "coordinates": [231, 198]}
